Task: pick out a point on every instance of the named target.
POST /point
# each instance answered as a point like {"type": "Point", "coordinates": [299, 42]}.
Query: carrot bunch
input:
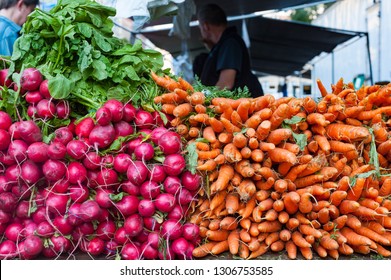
{"type": "Point", "coordinates": [290, 174]}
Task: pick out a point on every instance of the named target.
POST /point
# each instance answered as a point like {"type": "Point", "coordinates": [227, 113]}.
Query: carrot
{"type": "Point", "coordinates": [233, 242]}
{"type": "Point", "coordinates": [345, 132]}
{"type": "Point", "coordinates": [243, 109]}
{"type": "Point", "coordinates": [244, 252]}
{"type": "Point", "coordinates": [278, 135]}
{"type": "Point", "coordinates": [245, 236]}
{"type": "Point", "coordinates": [232, 203]}
{"type": "Point", "coordinates": [231, 153]}
{"type": "Point", "coordinates": [236, 120]}
{"type": "Point", "coordinates": [279, 155]}
{"type": "Point", "coordinates": [226, 173]}
{"type": "Point", "coordinates": [355, 192]}
{"type": "Point", "coordinates": [305, 204]}
{"type": "Point", "coordinates": [246, 152]}
{"type": "Point", "coordinates": [263, 248]}
{"type": "Point", "coordinates": [246, 189]}
{"type": "Point", "coordinates": [345, 249]}
{"type": "Point", "coordinates": [292, 224]}
{"type": "Point", "coordinates": [244, 168]}
{"type": "Point", "coordinates": [283, 217]}
{"type": "Point", "coordinates": [320, 250]}
{"type": "Point", "coordinates": [328, 243]}
{"type": "Point", "coordinates": [253, 143]}
{"type": "Point", "coordinates": [269, 226]}
{"type": "Point", "coordinates": [196, 98]}
{"type": "Point", "coordinates": [263, 102]}
{"type": "Point", "coordinates": [248, 209]}
{"type": "Point", "coordinates": [321, 88]}
{"type": "Point", "coordinates": [185, 86]}
{"type": "Point", "coordinates": [239, 140]}
{"type": "Point", "coordinates": [375, 226]}
{"type": "Point", "coordinates": [353, 238]}
{"type": "Point", "coordinates": [205, 155]}
{"type": "Point", "coordinates": [168, 108]}
{"type": "Point", "coordinates": [317, 118]}
{"type": "Point", "coordinates": [263, 129]}
{"type": "Point", "coordinates": [220, 247]}
{"type": "Point", "coordinates": [369, 203]}
{"type": "Point", "coordinates": [279, 115]}
{"type": "Point", "coordinates": [308, 230]}
{"type": "Point", "coordinates": [291, 202]}
{"type": "Point", "coordinates": [385, 189]}
{"type": "Point", "coordinates": [280, 185]}
{"type": "Point", "coordinates": [266, 204]}
{"type": "Point", "coordinates": [309, 180]}
{"type": "Point", "coordinates": [165, 82]}
{"type": "Point", "coordinates": [216, 124]}
{"type": "Point", "coordinates": [229, 223]}
{"type": "Point", "coordinates": [295, 171]}
{"type": "Point", "coordinates": [208, 165]}
{"type": "Point", "coordinates": [364, 231]}
{"type": "Point", "coordinates": [266, 147]}
{"type": "Point", "coordinates": [291, 249]}
{"type": "Point", "coordinates": [299, 240]}
{"type": "Point", "coordinates": [253, 121]}
{"type": "Point", "coordinates": [203, 250]}
{"type": "Point", "coordinates": [217, 235]}
{"type": "Point", "coordinates": [229, 126]}
{"type": "Point", "coordinates": [253, 231]}
{"type": "Point", "coordinates": [225, 137]}
{"type": "Point", "coordinates": [217, 199]}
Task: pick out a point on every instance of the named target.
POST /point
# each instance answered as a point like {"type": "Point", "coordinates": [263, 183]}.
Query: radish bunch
{"type": "Point", "coordinates": [114, 184]}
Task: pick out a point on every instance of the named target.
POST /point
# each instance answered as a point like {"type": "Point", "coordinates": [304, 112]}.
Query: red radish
{"type": "Point", "coordinates": [149, 189]}
{"type": "Point", "coordinates": [146, 208]}
{"type": "Point", "coordinates": [12, 173]}
{"type": "Point", "coordinates": [130, 188]}
{"type": "Point", "coordinates": [123, 128]}
{"type": "Point", "coordinates": [179, 246]}
{"type": "Point", "coordinates": [74, 214]}
{"type": "Point", "coordinates": [106, 230]}
{"type": "Point", "coordinates": [102, 136]}
{"type": "Point", "coordinates": [133, 225]}
{"type": "Point", "coordinates": [78, 193]}
{"type": "Point", "coordinates": [3, 78]}
{"type": "Point", "coordinates": [14, 232]}
{"type": "Point", "coordinates": [130, 252]}
{"type": "Point", "coordinates": [184, 196]}
{"type": "Point", "coordinates": [174, 164]}
{"type": "Point", "coordinates": [40, 215]}
{"type": "Point", "coordinates": [33, 245]}
{"type": "Point", "coordinates": [95, 246]}
{"type": "Point", "coordinates": [92, 175]}
{"type": "Point", "coordinates": [8, 250]}
{"type": "Point", "coordinates": [22, 210]}
{"type": "Point", "coordinates": [5, 120]}
{"type": "Point", "coordinates": [143, 119]}
{"type": "Point", "coordinates": [33, 97]}
{"type": "Point", "coordinates": [122, 162]}
{"type": "Point", "coordinates": [157, 173]}
{"type": "Point", "coordinates": [190, 231]}
{"type": "Point", "coordinates": [76, 173]}
{"type": "Point", "coordinates": [63, 135]}
{"type": "Point", "coordinates": [57, 203]}
{"type": "Point", "coordinates": [84, 127]}
{"type": "Point", "coordinates": [157, 133]}
{"type": "Point", "coordinates": [57, 150]}
{"type": "Point", "coordinates": [44, 89]}
{"type": "Point", "coordinates": [148, 252]}
{"type": "Point", "coordinates": [45, 229]}
{"type": "Point", "coordinates": [191, 181]}
{"type": "Point", "coordinates": [77, 149]}
{"type": "Point", "coordinates": [128, 205]}
{"type": "Point", "coordinates": [54, 170]}
{"type": "Point", "coordinates": [60, 244]}
{"type": "Point", "coordinates": [22, 190]}
{"type": "Point", "coordinates": [129, 112]}
{"type": "Point", "coordinates": [32, 111]}
{"type": "Point", "coordinates": [111, 248]}
{"type": "Point", "coordinates": [107, 161]}
{"type": "Point", "coordinates": [189, 251]}
{"type": "Point", "coordinates": [8, 202]}
{"type": "Point", "coordinates": [6, 159]}
{"type": "Point", "coordinates": [103, 116]}
{"type": "Point", "coordinates": [63, 109]}
{"type": "Point", "coordinates": [116, 108]}
{"type": "Point", "coordinates": [137, 172]}
{"type": "Point", "coordinates": [172, 185]}
{"type": "Point", "coordinates": [177, 213]}
{"type": "Point", "coordinates": [120, 236]}
{"type": "Point", "coordinates": [92, 161]}
{"type": "Point", "coordinates": [153, 239]}
{"type": "Point", "coordinates": [107, 178]}
{"type": "Point", "coordinates": [166, 253]}
{"type": "Point", "coordinates": [13, 128]}
{"type": "Point", "coordinates": [30, 79]}
{"type": "Point", "coordinates": [38, 152]}
{"type": "Point", "coordinates": [157, 119]}
{"type": "Point", "coordinates": [31, 172]}
{"type": "Point", "coordinates": [17, 149]}
{"type": "Point", "coordinates": [170, 143]}
{"type": "Point", "coordinates": [171, 229]}
{"type": "Point", "coordinates": [5, 184]}
{"type": "Point", "coordinates": [4, 217]}
{"type": "Point", "coordinates": [132, 144]}
{"type": "Point", "coordinates": [46, 109]}
{"type": "Point", "coordinates": [5, 139]}
{"type": "Point", "coordinates": [89, 211]}
{"type": "Point", "coordinates": [61, 186]}
{"type": "Point", "coordinates": [144, 152]}
{"type": "Point", "coordinates": [62, 225]}
{"type": "Point", "coordinates": [29, 132]}
{"type": "Point", "coordinates": [165, 202]}
{"type": "Point", "coordinates": [102, 197]}
{"type": "Point", "coordinates": [145, 132]}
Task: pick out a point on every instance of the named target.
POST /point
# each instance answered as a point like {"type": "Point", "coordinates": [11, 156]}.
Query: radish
{"type": "Point", "coordinates": [191, 181]}
{"type": "Point", "coordinates": [143, 119]}
{"type": "Point", "coordinates": [111, 248]}
{"type": "Point", "coordinates": [133, 225]}
{"type": "Point", "coordinates": [38, 152]}
{"type": "Point", "coordinates": [74, 214]}
{"type": "Point", "coordinates": [6, 159]}
{"type": "Point", "coordinates": [146, 208]}
{"type": "Point", "coordinates": [78, 193]}
{"type": "Point", "coordinates": [8, 250]}
{"type": "Point", "coordinates": [190, 231]}
{"type": "Point", "coordinates": [171, 229]}
{"type": "Point", "coordinates": [177, 213]}
{"type": "Point", "coordinates": [137, 172]}
{"type": "Point", "coordinates": [92, 161]}
{"type": "Point", "coordinates": [102, 197]}
{"type": "Point", "coordinates": [17, 149]}
{"type": "Point", "coordinates": [5, 139]}
{"type": "Point", "coordinates": [76, 173]}
{"type": "Point", "coordinates": [116, 108]}
{"type": "Point", "coordinates": [106, 230]}
{"type": "Point", "coordinates": [130, 252]}
{"type": "Point", "coordinates": [148, 252]}
{"type": "Point", "coordinates": [8, 202]}
{"type": "Point", "coordinates": [62, 225]}
{"type": "Point", "coordinates": [3, 78]}
{"type": "Point", "coordinates": [153, 239]}
{"type": "Point", "coordinates": [54, 170]}
{"type": "Point", "coordinates": [40, 215]}
{"type": "Point", "coordinates": [157, 133]}
{"type": "Point", "coordinates": [128, 205]}
{"type": "Point", "coordinates": [33, 245]}
{"type": "Point", "coordinates": [33, 97]}
{"type": "Point", "coordinates": [13, 128]}
{"type": "Point", "coordinates": [4, 217]}
{"type": "Point", "coordinates": [103, 116]}
{"type": "Point", "coordinates": [165, 202]}
{"type": "Point", "coordinates": [44, 89]}
{"type": "Point", "coordinates": [46, 109]}
{"type": "Point", "coordinates": [120, 236]}
{"type": "Point", "coordinates": [132, 144]}
{"type": "Point", "coordinates": [157, 119]}
{"type": "Point", "coordinates": [12, 173]}
{"type": "Point", "coordinates": [63, 135]}
{"type": "Point", "coordinates": [144, 152]}
{"type": "Point", "coordinates": [5, 120]}
{"type": "Point", "coordinates": [60, 244]}
{"type": "Point", "coordinates": [95, 246]}
{"type": "Point", "coordinates": [130, 188]}
{"type": "Point", "coordinates": [172, 185]}
{"type": "Point", "coordinates": [29, 132]}
{"type": "Point", "coordinates": [22, 190]}
{"type": "Point", "coordinates": [149, 189]}
{"type": "Point", "coordinates": [61, 186]}
{"type": "Point", "coordinates": [184, 196]}
{"type": "Point", "coordinates": [174, 164]}
{"type": "Point", "coordinates": [166, 253]}
{"type": "Point", "coordinates": [63, 109]}
{"type": "Point", "coordinates": [22, 210]}
{"type": "Point", "coordinates": [57, 150]}
{"type": "Point", "coordinates": [90, 211]}
{"type": "Point", "coordinates": [102, 136]}
{"type": "Point", "coordinates": [170, 143]}
{"type": "Point", "coordinates": [129, 112]}
{"type": "Point", "coordinates": [32, 111]}
{"type": "Point", "coordinates": [30, 79]}
{"type": "Point", "coordinates": [31, 172]}
{"type": "Point", "coordinates": [84, 127]}
{"type": "Point", "coordinates": [57, 203]}
{"type": "Point", "coordinates": [123, 128]}
{"type": "Point", "coordinates": [45, 229]}
{"type": "Point", "coordinates": [122, 162]}
{"type": "Point", "coordinates": [91, 178]}
{"type": "Point", "coordinates": [5, 185]}
{"type": "Point", "coordinates": [77, 149]}
{"type": "Point", "coordinates": [157, 173]}
{"type": "Point", "coordinates": [179, 246]}
{"type": "Point", "coordinates": [14, 232]}
{"type": "Point", "coordinates": [107, 178]}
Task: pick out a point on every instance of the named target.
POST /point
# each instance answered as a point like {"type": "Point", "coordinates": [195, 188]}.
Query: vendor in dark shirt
{"type": "Point", "coordinates": [228, 63]}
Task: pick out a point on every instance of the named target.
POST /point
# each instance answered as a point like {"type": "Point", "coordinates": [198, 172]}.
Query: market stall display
{"type": "Point", "coordinates": [104, 152]}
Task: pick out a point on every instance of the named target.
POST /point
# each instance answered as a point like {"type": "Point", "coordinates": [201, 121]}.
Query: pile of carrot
{"type": "Point", "coordinates": [289, 174]}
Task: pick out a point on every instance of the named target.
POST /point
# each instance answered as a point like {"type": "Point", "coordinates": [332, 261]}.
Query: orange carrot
{"type": "Point", "coordinates": [231, 153]}
{"type": "Point", "coordinates": [354, 238]}
{"type": "Point", "coordinates": [232, 203]}
{"type": "Point", "coordinates": [205, 155]}
{"type": "Point", "coordinates": [291, 249]}
{"type": "Point", "coordinates": [216, 124]}
{"type": "Point", "coordinates": [233, 242]}
{"type": "Point", "coordinates": [217, 199]}
{"type": "Point", "coordinates": [226, 173]}
{"type": "Point", "coordinates": [196, 98]}
{"type": "Point", "coordinates": [299, 240]}
{"type": "Point", "coordinates": [266, 147]}
{"type": "Point", "coordinates": [253, 121]}
{"type": "Point", "coordinates": [263, 129]}
{"type": "Point", "coordinates": [168, 108]}
{"type": "Point", "coordinates": [283, 217]}
{"type": "Point", "coordinates": [164, 82]}
{"type": "Point", "coordinates": [338, 131]}
{"type": "Point", "coordinates": [337, 196]}
{"type": "Point", "coordinates": [186, 86]}
{"type": "Point", "coordinates": [269, 226]}
{"type": "Point", "coordinates": [229, 127]}
{"type": "Point", "coordinates": [203, 250]}
{"type": "Point", "coordinates": [355, 192]}
{"type": "Point", "coordinates": [308, 230]}
{"type": "Point", "coordinates": [278, 135]}
{"type": "Point", "coordinates": [321, 88]}
{"type": "Point", "coordinates": [243, 110]}
{"type": "Point", "coordinates": [247, 211]}
{"type": "Point", "coordinates": [229, 223]}
{"type": "Point", "coordinates": [281, 155]}
{"type": "Point", "coordinates": [246, 189]}
{"type": "Point", "coordinates": [208, 165]}
{"type": "Point", "coordinates": [261, 250]}
{"type": "Point", "coordinates": [182, 110]}
{"type": "Point", "coordinates": [364, 231]}
{"type": "Point", "coordinates": [291, 202]}
{"type": "Point", "coordinates": [239, 140]}
{"type": "Point", "coordinates": [280, 114]}
{"type": "Point", "coordinates": [217, 235]}
{"type": "Point", "coordinates": [220, 247]}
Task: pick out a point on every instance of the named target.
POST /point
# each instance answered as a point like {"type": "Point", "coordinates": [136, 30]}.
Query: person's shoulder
{"type": "Point", "coordinates": [8, 25]}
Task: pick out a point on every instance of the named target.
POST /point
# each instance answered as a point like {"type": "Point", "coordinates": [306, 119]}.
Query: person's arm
{"type": "Point", "coordinates": [226, 79]}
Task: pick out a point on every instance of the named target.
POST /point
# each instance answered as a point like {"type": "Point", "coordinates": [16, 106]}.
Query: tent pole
{"type": "Point", "coordinates": [369, 59]}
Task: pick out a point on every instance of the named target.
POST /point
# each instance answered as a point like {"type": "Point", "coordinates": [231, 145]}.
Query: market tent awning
{"type": "Point", "coordinates": [278, 47]}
